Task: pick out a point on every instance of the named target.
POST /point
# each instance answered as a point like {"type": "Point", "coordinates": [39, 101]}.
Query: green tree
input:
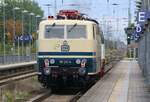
{"type": "Point", "coordinates": [29, 5]}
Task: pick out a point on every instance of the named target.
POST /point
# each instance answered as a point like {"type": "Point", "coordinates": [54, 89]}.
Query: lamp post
{"type": "Point", "coordinates": [55, 7]}
{"type": "Point", "coordinates": [79, 6]}
{"type": "Point", "coordinates": [115, 4]}
{"type": "Point", "coordinates": [14, 27]}
{"type": "Point", "coordinates": [74, 5]}
{"type": "Point", "coordinates": [117, 19]}
{"type": "Point", "coordinates": [48, 8]}
{"type": "Point", "coordinates": [4, 31]}
{"type": "Point", "coordinates": [36, 30]}
{"type": "Point", "coordinates": [129, 13]}
{"type": "Point", "coordinates": [37, 22]}
{"type": "Point", "coordinates": [30, 31]}
{"type": "Point", "coordinates": [37, 16]}
{"type": "Point", "coordinates": [23, 12]}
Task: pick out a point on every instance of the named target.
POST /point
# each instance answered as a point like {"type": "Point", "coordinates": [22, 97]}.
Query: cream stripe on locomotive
{"type": "Point", "coordinates": [66, 56]}
{"type": "Point", "coordinates": [75, 45]}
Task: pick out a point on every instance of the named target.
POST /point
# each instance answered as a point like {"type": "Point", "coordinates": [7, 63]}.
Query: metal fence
{"type": "Point", "coordinates": [11, 59]}
{"type": "Point", "coordinates": [144, 54]}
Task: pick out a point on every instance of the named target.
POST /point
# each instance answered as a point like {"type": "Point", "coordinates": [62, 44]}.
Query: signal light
{"type": "Point", "coordinates": [78, 61]}
{"type": "Point", "coordinates": [50, 17]}
{"type": "Point", "coordinates": [128, 39]}
{"type": "Point", "coordinates": [52, 61]}
{"type": "Point", "coordinates": [46, 61]}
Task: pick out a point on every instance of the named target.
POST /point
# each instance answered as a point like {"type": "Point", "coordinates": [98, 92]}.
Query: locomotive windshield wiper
{"type": "Point", "coordinates": [72, 27]}
{"type": "Point", "coordinates": [53, 25]}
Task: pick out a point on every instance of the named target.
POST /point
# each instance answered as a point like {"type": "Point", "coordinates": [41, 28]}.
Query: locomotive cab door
{"type": "Point", "coordinates": [98, 47]}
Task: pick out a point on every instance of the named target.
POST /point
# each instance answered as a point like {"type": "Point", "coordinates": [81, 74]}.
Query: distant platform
{"type": "Point", "coordinates": [17, 65]}
{"type": "Point", "coordinates": [124, 83]}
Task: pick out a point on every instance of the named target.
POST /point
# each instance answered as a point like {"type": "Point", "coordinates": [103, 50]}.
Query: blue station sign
{"type": "Point", "coordinates": [24, 38]}
{"type": "Point", "coordinates": [142, 16]}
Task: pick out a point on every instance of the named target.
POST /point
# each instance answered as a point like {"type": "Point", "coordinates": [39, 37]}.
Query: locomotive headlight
{"type": "Point", "coordinates": [84, 61]}
{"type": "Point", "coordinates": [52, 61]}
{"type": "Point", "coordinates": [82, 71]}
{"type": "Point", "coordinates": [46, 61]}
{"type": "Point", "coordinates": [78, 61]}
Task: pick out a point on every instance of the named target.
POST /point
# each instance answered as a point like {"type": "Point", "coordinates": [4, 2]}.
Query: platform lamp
{"type": "Point", "coordinates": [23, 12]}
{"type": "Point", "coordinates": [30, 32]}
{"type": "Point", "coordinates": [36, 30]}
{"type": "Point", "coordinates": [4, 30]}
{"type": "Point", "coordinates": [117, 20]}
{"type": "Point", "coordinates": [48, 8]}
{"type": "Point", "coordinates": [14, 26]}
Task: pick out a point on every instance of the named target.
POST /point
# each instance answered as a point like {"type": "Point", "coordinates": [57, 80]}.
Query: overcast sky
{"type": "Point", "coordinates": [102, 10]}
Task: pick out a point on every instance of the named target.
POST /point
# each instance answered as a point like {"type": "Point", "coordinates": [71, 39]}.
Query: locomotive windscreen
{"type": "Point", "coordinates": [56, 31]}
{"type": "Point", "coordinates": [76, 32]}
{"type": "Point", "coordinates": [72, 31]}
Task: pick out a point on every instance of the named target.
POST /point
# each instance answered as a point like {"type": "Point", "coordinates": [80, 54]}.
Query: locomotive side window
{"type": "Point", "coordinates": [94, 32]}
{"type": "Point", "coordinates": [76, 31]}
{"type": "Point", "coordinates": [54, 31]}
{"type": "Point", "coordinates": [98, 37]}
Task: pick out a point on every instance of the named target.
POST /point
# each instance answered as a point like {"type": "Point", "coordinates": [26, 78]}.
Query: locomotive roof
{"type": "Point", "coordinates": [65, 21]}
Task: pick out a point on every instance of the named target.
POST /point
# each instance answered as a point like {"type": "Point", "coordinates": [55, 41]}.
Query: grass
{"type": "Point", "coordinates": [22, 95]}
{"type": "Point", "coordinates": [10, 96]}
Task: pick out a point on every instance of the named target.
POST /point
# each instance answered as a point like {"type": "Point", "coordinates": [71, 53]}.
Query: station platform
{"type": "Point", "coordinates": [2, 67]}
{"type": "Point", "coordinates": [124, 83]}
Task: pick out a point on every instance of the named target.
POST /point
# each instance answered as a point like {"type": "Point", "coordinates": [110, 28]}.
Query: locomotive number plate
{"type": "Point", "coordinates": [65, 47]}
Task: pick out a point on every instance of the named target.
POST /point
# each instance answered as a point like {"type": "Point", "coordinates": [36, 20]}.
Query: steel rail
{"type": "Point", "coordinates": [72, 98]}
{"type": "Point", "coordinates": [40, 97]}
{"type": "Point", "coordinates": [8, 71]}
{"type": "Point", "coordinates": [16, 78]}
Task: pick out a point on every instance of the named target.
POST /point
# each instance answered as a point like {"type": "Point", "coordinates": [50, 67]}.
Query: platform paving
{"type": "Point", "coordinates": [124, 83]}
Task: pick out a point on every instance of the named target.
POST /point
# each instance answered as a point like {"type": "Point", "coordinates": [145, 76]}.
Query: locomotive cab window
{"type": "Point", "coordinates": [76, 31]}
{"type": "Point", "coordinates": [54, 31]}
{"type": "Point", "coordinates": [94, 32]}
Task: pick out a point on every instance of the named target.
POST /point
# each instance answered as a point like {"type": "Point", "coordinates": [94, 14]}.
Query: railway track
{"type": "Point", "coordinates": [16, 69]}
{"type": "Point", "coordinates": [62, 96]}
{"type": "Point", "coordinates": [9, 75]}
{"type": "Point", "coordinates": [48, 96]}
{"type": "Point", "coordinates": [17, 77]}
{"type": "Point", "coordinates": [16, 72]}
{"type": "Point", "coordinates": [40, 97]}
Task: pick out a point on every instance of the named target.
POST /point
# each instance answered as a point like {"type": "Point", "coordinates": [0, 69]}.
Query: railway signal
{"type": "Point", "coordinates": [128, 39]}
{"type": "Point", "coordinates": [129, 32]}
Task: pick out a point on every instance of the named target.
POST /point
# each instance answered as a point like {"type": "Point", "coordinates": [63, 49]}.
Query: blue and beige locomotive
{"type": "Point", "coordinates": [69, 50]}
